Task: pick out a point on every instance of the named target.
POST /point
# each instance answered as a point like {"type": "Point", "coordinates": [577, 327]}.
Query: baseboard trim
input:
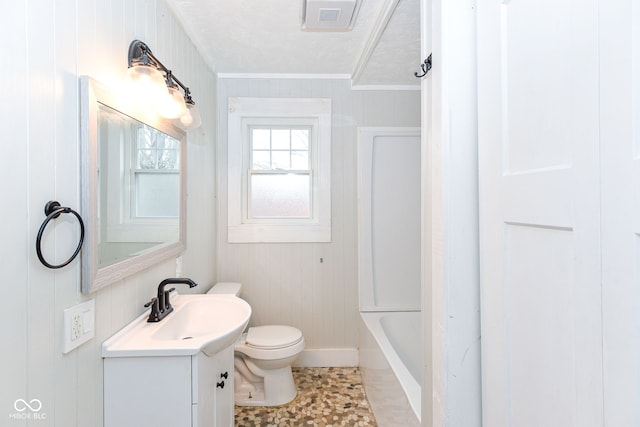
{"type": "Point", "coordinates": [327, 358]}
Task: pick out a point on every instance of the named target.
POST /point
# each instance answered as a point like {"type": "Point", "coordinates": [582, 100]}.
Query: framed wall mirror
{"type": "Point", "coordinates": [132, 187]}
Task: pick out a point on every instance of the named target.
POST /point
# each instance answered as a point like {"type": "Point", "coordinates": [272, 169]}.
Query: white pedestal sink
{"type": "Point", "coordinates": [176, 372]}
{"type": "Point", "coordinates": [207, 323]}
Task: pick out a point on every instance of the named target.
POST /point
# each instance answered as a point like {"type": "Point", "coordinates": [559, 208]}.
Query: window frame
{"type": "Point", "coordinates": [248, 113]}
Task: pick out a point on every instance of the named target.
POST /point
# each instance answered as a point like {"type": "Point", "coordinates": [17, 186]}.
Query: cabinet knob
{"type": "Point", "coordinates": [220, 384]}
{"type": "Point", "coordinates": [225, 375]}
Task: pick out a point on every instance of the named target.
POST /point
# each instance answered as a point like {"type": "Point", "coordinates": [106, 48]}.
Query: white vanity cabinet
{"type": "Point", "coordinates": [177, 372]}
{"type": "Point", "coordinates": [213, 389]}
{"type": "Point", "coordinates": [169, 391]}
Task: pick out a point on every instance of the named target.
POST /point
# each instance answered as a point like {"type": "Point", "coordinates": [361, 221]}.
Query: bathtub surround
{"type": "Point", "coordinates": [388, 217]}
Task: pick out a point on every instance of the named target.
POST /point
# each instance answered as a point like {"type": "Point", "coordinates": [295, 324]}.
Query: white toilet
{"type": "Point", "coordinates": [263, 357]}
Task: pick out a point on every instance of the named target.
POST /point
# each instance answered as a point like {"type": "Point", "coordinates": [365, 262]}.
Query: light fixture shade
{"type": "Point", "coordinates": [192, 118]}
{"type": "Point", "coordinates": [145, 83]}
{"type": "Point", "coordinates": [172, 105]}
{"type": "Point", "coordinates": [149, 83]}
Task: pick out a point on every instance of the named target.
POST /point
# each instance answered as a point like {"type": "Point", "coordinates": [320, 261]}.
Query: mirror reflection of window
{"type": "Point", "coordinates": [155, 175]}
{"type": "Point", "coordinates": [140, 185]}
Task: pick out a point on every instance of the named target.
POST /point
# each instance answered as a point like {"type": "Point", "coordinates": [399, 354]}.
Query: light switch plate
{"type": "Point", "coordinates": [79, 325]}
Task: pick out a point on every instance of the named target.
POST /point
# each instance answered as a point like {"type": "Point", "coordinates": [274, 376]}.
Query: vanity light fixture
{"type": "Point", "coordinates": [158, 86]}
{"type": "Point", "coordinates": [172, 106]}
{"type": "Point", "coordinates": [192, 119]}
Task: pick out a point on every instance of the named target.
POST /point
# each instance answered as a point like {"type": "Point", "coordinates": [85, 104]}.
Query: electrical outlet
{"type": "Point", "coordinates": [78, 325]}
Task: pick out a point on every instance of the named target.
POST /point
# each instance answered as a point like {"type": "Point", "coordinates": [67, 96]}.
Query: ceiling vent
{"type": "Point", "coordinates": [328, 15]}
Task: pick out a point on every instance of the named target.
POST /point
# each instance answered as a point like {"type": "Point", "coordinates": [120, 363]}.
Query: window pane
{"type": "Point", "coordinates": [299, 139]}
{"type": "Point", "coordinates": [261, 160]}
{"type": "Point", "coordinates": [168, 159]}
{"type": "Point", "coordinates": [157, 195]}
{"type": "Point", "coordinates": [167, 142]}
{"type": "Point", "coordinates": [284, 196]}
{"type": "Point", "coordinates": [300, 160]}
{"type": "Point", "coordinates": [145, 138]}
{"type": "Point", "coordinates": [261, 139]}
{"type": "Point", "coordinates": [156, 150]}
{"type": "Point", "coordinates": [280, 139]}
{"type": "Point", "coordinates": [147, 159]}
{"type": "Point", "coordinates": [280, 160]}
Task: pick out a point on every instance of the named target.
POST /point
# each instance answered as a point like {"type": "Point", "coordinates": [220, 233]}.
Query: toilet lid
{"type": "Point", "coordinates": [273, 336]}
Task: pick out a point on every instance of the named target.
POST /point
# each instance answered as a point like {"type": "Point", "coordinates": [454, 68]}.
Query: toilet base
{"type": "Point", "coordinates": [276, 388]}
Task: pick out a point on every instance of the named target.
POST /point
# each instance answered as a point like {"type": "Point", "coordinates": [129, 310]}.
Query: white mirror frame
{"type": "Point", "coordinates": [94, 278]}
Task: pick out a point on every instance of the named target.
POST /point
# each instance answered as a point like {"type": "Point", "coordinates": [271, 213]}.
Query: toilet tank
{"type": "Point", "coordinates": [232, 288]}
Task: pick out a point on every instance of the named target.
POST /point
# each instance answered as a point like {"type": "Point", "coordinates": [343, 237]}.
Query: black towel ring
{"type": "Point", "coordinates": [53, 210]}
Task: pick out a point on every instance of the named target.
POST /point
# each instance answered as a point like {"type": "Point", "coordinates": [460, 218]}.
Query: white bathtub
{"type": "Point", "coordinates": [390, 364]}
{"type": "Point", "coordinates": [389, 266]}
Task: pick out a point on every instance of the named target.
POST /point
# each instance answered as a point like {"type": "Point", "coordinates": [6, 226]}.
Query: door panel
{"type": "Point", "coordinates": [539, 213]}
{"type": "Point", "coordinates": [538, 293]}
{"type": "Point", "coordinates": [620, 153]}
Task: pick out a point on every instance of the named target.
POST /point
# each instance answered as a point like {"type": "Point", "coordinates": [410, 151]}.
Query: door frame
{"type": "Point", "coordinates": [451, 383]}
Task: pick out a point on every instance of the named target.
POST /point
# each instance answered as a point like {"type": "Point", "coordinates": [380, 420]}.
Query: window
{"type": "Point", "coordinates": [279, 170]}
{"type": "Point", "coordinates": [280, 174]}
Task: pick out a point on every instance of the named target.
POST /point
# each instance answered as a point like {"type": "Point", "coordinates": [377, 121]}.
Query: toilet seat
{"type": "Point", "coordinates": [272, 337]}
{"type": "Point", "coordinates": [270, 342]}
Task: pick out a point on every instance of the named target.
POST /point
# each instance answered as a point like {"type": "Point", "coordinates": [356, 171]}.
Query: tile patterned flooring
{"type": "Point", "coordinates": [327, 397]}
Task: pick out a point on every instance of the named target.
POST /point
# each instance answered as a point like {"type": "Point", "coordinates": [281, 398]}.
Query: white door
{"type": "Point", "coordinates": [620, 158]}
{"type": "Point", "coordinates": [538, 106]}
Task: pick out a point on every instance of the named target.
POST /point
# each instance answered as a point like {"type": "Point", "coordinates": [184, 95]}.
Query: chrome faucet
{"type": "Point", "coordinates": [160, 305]}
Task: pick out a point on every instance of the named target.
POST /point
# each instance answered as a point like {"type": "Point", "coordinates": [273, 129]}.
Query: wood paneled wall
{"type": "Point", "coordinates": [312, 286]}
{"type": "Point", "coordinates": [46, 46]}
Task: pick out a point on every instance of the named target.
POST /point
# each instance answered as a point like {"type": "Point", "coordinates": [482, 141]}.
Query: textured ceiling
{"type": "Point", "coordinates": [264, 36]}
